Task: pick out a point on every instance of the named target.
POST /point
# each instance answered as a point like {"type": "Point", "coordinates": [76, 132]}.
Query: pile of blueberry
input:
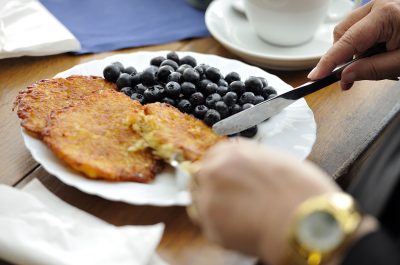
{"type": "Point", "coordinates": [197, 89]}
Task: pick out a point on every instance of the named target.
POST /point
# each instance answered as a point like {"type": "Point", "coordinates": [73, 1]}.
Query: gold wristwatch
{"type": "Point", "coordinates": [321, 227]}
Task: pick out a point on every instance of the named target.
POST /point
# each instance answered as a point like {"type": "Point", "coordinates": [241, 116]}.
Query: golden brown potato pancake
{"type": "Point", "coordinates": [36, 102]}
{"type": "Point", "coordinates": [170, 132]}
{"type": "Point", "coordinates": [94, 137]}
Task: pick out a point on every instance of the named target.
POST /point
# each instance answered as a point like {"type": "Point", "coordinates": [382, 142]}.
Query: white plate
{"type": "Point", "coordinates": [233, 31]}
{"type": "Point", "coordinates": [293, 130]}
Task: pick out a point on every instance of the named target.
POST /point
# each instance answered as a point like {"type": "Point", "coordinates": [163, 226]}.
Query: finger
{"type": "Point", "coordinates": [350, 20]}
{"type": "Point", "coordinates": [354, 41]}
{"type": "Point", "coordinates": [193, 214]}
{"type": "Point", "coordinates": [196, 195]}
{"type": "Point", "coordinates": [216, 154]}
{"type": "Point", "coordinates": [381, 66]}
{"type": "Point", "coordinates": [217, 149]}
{"type": "Point", "coordinates": [345, 86]}
{"type": "Point", "coordinates": [198, 211]}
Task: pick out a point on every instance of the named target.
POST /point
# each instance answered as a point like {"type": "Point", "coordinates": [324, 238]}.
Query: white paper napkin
{"type": "Point", "coordinates": [28, 28]}
{"type": "Point", "coordinates": [37, 227]}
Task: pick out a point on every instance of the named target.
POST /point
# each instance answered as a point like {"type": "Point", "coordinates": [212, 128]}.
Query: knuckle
{"type": "Point", "coordinates": [348, 40]}
{"type": "Point", "coordinates": [328, 60]}
{"type": "Point", "coordinates": [338, 32]}
{"type": "Point", "coordinates": [372, 73]}
{"type": "Point", "coordinates": [390, 21]}
{"type": "Point", "coordinates": [391, 7]}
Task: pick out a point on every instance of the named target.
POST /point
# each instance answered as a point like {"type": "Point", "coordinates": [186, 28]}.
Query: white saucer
{"type": "Point", "coordinates": [234, 32]}
{"type": "Point", "coordinates": [239, 6]}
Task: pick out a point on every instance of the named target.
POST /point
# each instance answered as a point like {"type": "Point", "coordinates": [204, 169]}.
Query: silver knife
{"type": "Point", "coordinates": [268, 108]}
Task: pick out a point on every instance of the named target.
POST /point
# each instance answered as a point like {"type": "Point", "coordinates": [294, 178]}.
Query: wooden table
{"type": "Point", "coordinates": [348, 124]}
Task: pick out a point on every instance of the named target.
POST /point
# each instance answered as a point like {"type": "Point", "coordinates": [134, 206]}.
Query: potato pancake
{"type": "Point", "coordinates": [170, 132]}
{"type": "Point", "coordinates": [35, 103]}
{"type": "Point", "coordinates": [94, 137]}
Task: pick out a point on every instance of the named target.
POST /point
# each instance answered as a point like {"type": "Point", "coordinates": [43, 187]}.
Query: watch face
{"type": "Point", "coordinates": [320, 231]}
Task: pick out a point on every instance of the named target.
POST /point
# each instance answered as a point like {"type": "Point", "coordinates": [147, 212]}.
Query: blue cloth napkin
{"type": "Point", "coordinates": [102, 25]}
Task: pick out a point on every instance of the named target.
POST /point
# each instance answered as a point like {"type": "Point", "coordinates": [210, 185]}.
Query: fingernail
{"type": "Point", "coordinates": [349, 78]}
{"type": "Point", "coordinates": [345, 86]}
{"type": "Point", "coordinates": [313, 73]}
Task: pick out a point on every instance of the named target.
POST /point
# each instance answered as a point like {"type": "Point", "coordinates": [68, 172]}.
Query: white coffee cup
{"type": "Point", "coordinates": [293, 22]}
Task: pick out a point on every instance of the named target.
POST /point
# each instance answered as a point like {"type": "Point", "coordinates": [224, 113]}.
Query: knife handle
{"type": "Point", "coordinates": [336, 74]}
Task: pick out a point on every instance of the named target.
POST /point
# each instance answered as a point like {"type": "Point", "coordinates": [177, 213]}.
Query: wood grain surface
{"type": "Point", "coordinates": [347, 124]}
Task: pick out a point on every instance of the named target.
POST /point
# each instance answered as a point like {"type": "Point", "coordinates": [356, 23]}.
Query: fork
{"type": "Point", "coordinates": [182, 175]}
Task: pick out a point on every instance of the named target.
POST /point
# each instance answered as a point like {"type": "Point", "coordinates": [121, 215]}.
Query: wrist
{"type": "Point", "coordinates": [368, 225]}
{"type": "Point", "coordinates": [321, 229]}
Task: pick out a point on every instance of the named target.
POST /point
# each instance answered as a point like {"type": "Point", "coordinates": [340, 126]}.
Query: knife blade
{"type": "Point", "coordinates": [268, 108]}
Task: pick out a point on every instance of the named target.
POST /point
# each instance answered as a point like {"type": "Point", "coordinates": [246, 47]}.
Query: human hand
{"type": "Point", "coordinates": [246, 195]}
{"type": "Point", "coordinates": [376, 22]}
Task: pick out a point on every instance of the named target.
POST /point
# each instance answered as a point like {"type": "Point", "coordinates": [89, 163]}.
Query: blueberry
{"type": "Point", "coordinates": [212, 116]}
{"type": "Point", "coordinates": [129, 70]}
{"type": "Point", "coordinates": [123, 80]}
{"type": "Point", "coordinates": [211, 88]}
{"type": "Point", "coordinates": [200, 70]}
{"type": "Point", "coordinates": [140, 88]}
{"type": "Point", "coordinates": [230, 98]}
{"type": "Point", "coordinates": [173, 56]}
{"type": "Point", "coordinates": [213, 74]}
{"type": "Point", "coordinates": [169, 101]}
{"type": "Point", "coordinates": [231, 77]}
{"type": "Point", "coordinates": [136, 79]}
{"type": "Point", "coordinates": [188, 88]}
{"type": "Point", "coordinates": [222, 108]}
{"type": "Point", "coordinates": [247, 106]}
{"type": "Point", "coordinates": [170, 63]}
{"type": "Point", "coordinates": [212, 99]}
{"type": "Point", "coordinates": [197, 99]}
{"type": "Point", "coordinates": [149, 76]}
{"type": "Point", "coordinates": [164, 72]}
{"type": "Point", "coordinates": [203, 84]}
{"type": "Point", "coordinates": [200, 111]}
{"type": "Point", "coordinates": [247, 97]}
{"type": "Point", "coordinates": [204, 66]}
{"type": "Point", "coordinates": [161, 91]}
{"type": "Point", "coordinates": [173, 89]}
{"type": "Point", "coordinates": [152, 94]}
{"type": "Point", "coordinates": [188, 60]}
{"type": "Point", "coordinates": [263, 81]}
{"type": "Point", "coordinates": [184, 105]}
{"type": "Point", "coordinates": [111, 73]}
{"type": "Point", "coordinates": [222, 82]}
{"type": "Point", "coordinates": [138, 97]}
{"type": "Point", "coordinates": [127, 91]}
{"type": "Point", "coordinates": [156, 61]}
{"type": "Point", "coordinates": [183, 67]}
{"type": "Point", "coordinates": [222, 90]}
{"type": "Point", "coordinates": [119, 65]}
{"type": "Point", "coordinates": [253, 84]}
{"type": "Point", "coordinates": [250, 132]}
{"type": "Point", "coordinates": [176, 77]}
{"type": "Point", "coordinates": [191, 75]}
{"type": "Point", "coordinates": [236, 108]}
{"type": "Point", "coordinates": [258, 99]}
{"type": "Point", "coordinates": [268, 91]}
{"type": "Point", "coordinates": [237, 87]}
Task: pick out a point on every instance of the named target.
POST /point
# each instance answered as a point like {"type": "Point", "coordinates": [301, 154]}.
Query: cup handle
{"type": "Point", "coordinates": [338, 9]}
